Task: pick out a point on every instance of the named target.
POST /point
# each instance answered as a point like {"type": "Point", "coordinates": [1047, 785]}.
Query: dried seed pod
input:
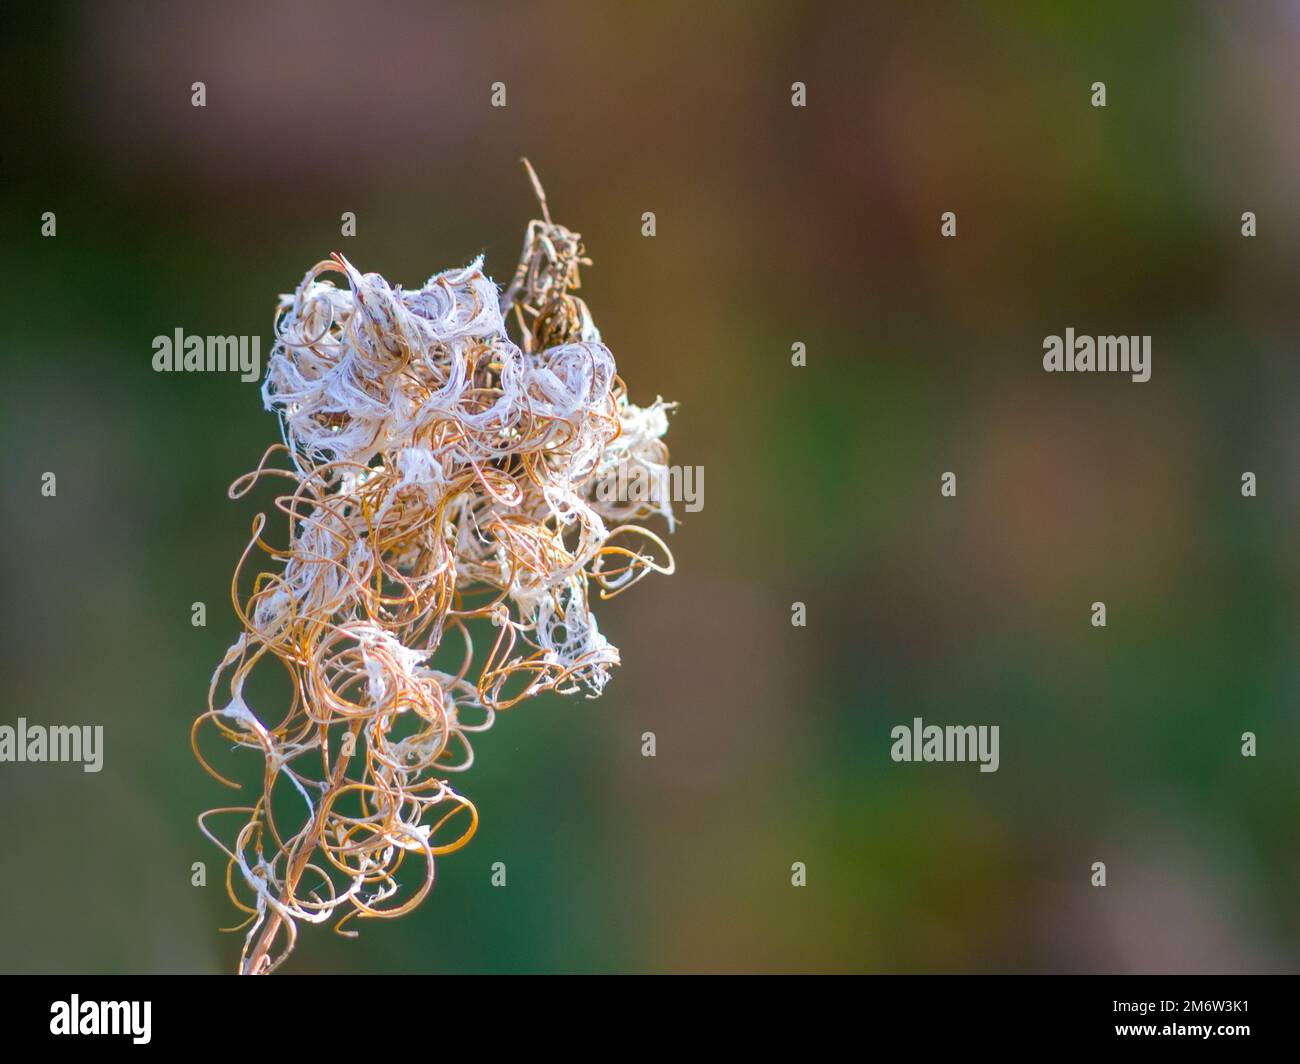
{"type": "Point", "coordinates": [438, 473]}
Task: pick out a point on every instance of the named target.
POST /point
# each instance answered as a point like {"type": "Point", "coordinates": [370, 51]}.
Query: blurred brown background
{"type": "Point", "coordinates": [775, 225]}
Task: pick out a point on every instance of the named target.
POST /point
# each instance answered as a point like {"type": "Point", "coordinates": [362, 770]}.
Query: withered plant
{"type": "Point", "coordinates": [441, 475]}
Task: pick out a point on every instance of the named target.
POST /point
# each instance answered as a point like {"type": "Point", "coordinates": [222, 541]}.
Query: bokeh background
{"type": "Point", "coordinates": [775, 225]}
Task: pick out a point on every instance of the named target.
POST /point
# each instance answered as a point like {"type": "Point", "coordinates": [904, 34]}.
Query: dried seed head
{"type": "Point", "coordinates": [438, 471]}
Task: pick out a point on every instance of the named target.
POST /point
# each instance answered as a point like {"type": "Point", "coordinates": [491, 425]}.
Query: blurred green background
{"type": "Point", "coordinates": [775, 225]}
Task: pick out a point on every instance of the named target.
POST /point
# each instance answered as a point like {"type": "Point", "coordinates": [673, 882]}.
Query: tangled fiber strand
{"type": "Point", "coordinates": [437, 471]}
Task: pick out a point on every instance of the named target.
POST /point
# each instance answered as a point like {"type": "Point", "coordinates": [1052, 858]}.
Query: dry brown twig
{"type": "Point", "coordinates": [437, 471]}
